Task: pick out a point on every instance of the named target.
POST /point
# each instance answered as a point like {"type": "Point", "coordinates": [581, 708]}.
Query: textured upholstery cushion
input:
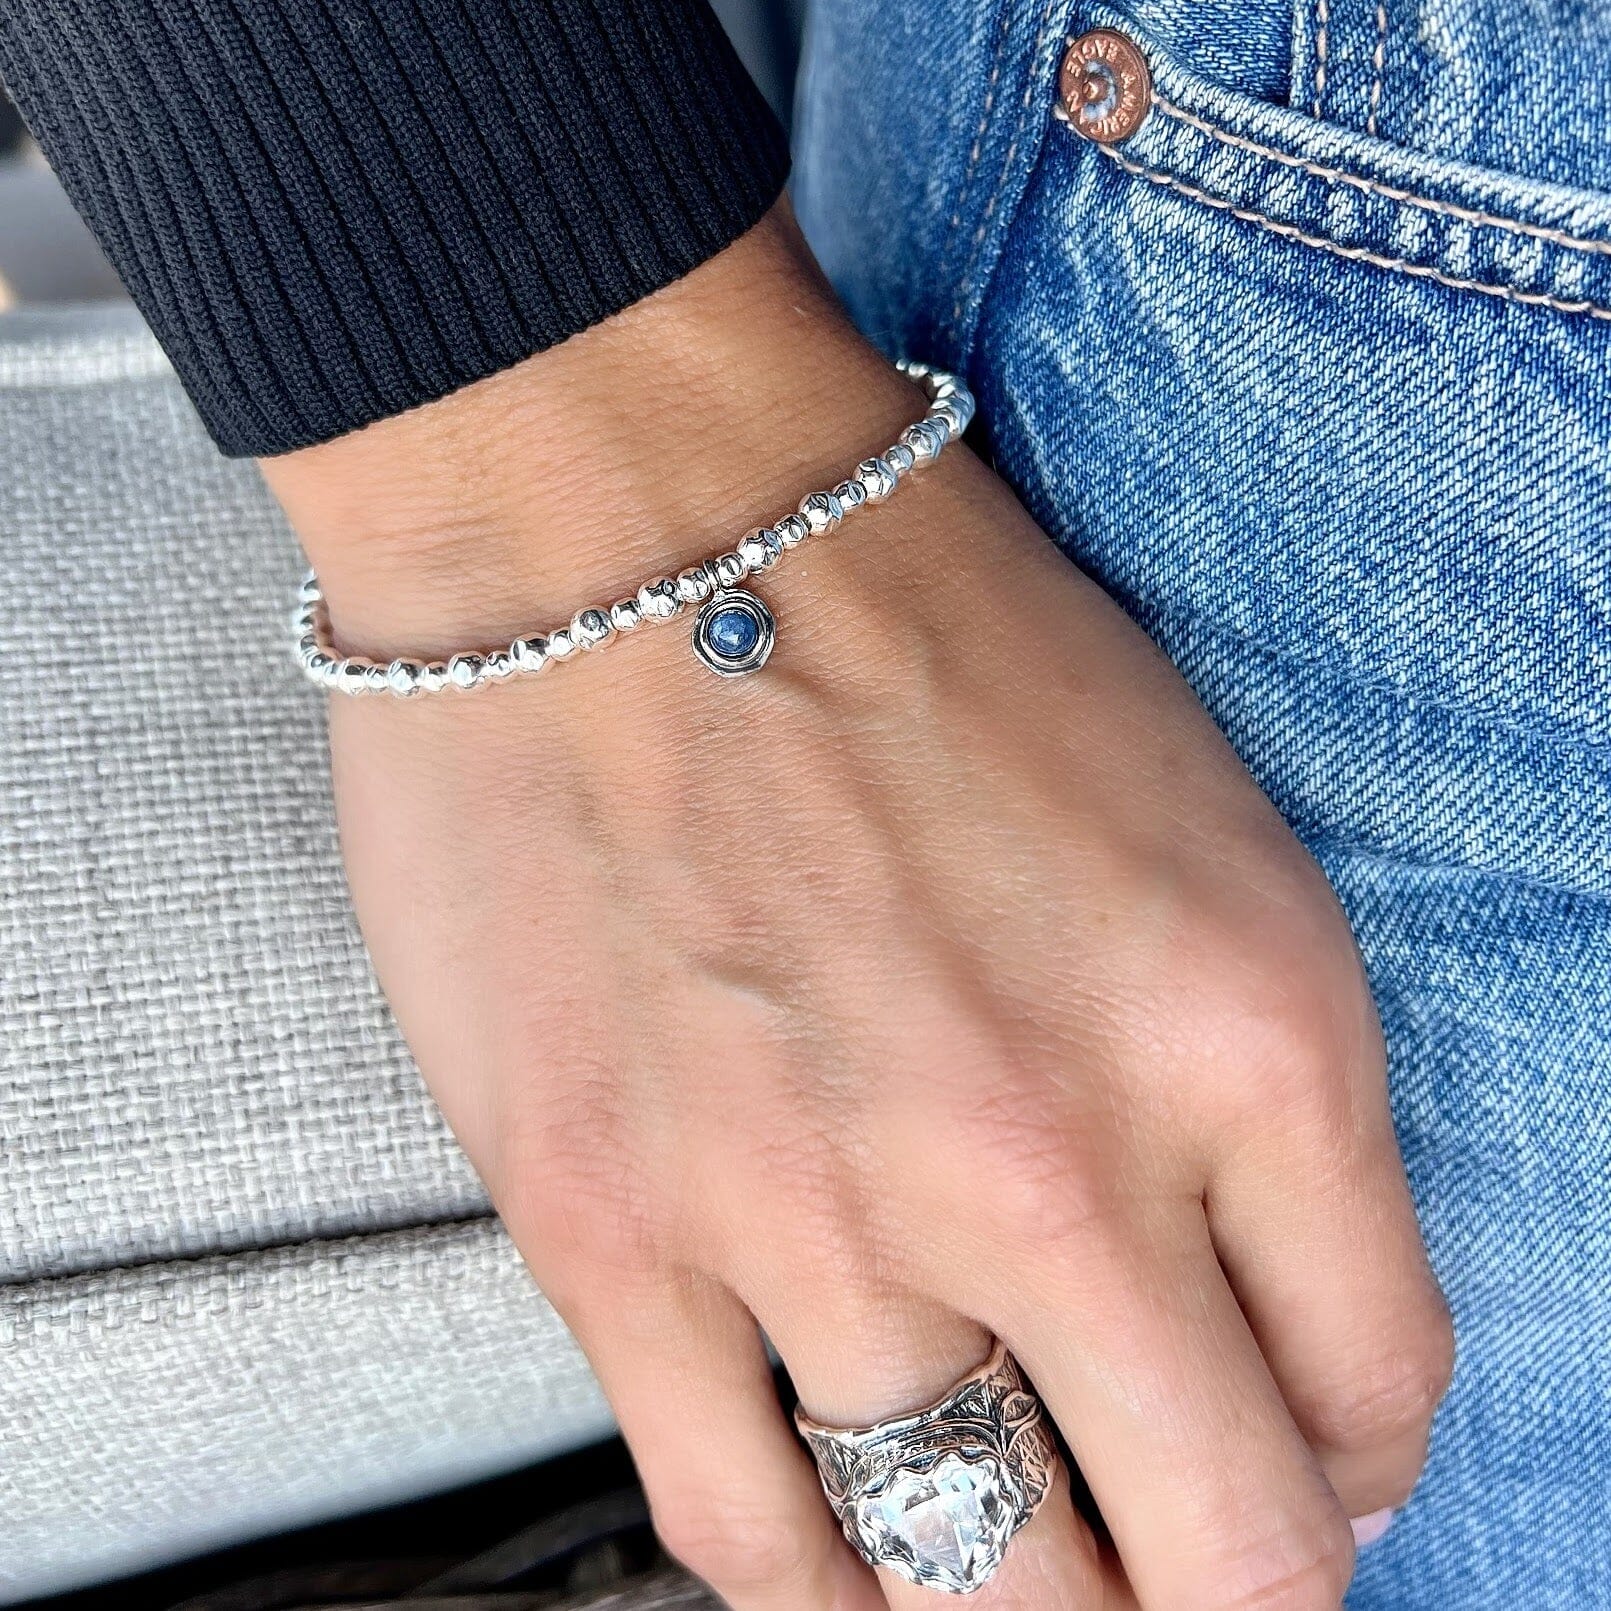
{"type": "Point", "coordinates": [246, 1279]}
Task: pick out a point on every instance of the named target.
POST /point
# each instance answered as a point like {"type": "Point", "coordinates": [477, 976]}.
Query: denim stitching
{"type": "Point", "coordinates": [1322, 29]}
{"type": "Point", "coordinates": [977, 148]}
{"type": "Point", "coordinates": [1375, 187]}
{"type": "Point", "coordinates": [1355, 254]}
{"type": "Point", "coordinates": [1378, 61]}
{"type": "Point", "coordinates": [964, 285]}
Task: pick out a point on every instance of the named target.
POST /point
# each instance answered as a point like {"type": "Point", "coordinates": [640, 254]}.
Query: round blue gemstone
{"type": "Point", "coordinates": [733, 633]}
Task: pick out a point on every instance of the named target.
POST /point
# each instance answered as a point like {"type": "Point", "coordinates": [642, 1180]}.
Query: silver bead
{"type": "Point", "coordinates": [625, 615]}
{"type": "Point", "coordinates": [925, 439]}
{"type": "Point", "coordinates": [900, 458]}
{"type": "Point", "coordinates": [561, 645]}
{"type": "Point", "coordinates": [403, 677]}
{"type": "Point", "coordinates": [591, 628]}
{"type": "Point", "coordinates": [877, 479]}
{"type": "Point", "coordinates": [658, 599]}
{"type": "Point", "coordinates": [307, 644]}
{"type": "Point", "coordinates": [694, 586]}
{"type": "Point", "coordinates": [499, 664]}
{"type": "Point", "coordinates": [955, 414]}
{"type": "Point", "coordinates": [792, 529]}
{"type": "Point", "coordinates": [434, 677]}
{"type": "Point", "coordinates": [529, 654]}
{"type": "Point", "coordinates": [851, 495]}
{"type": "Point", "coordinates": [914, 368]}
{"type": "Point", "coordinates": [375, 680]}
{"type": "Point", "coordinates": [310, 591]}
{"type": "Point", "coordinates": [351, 677]}
{"type": "Point", "coordinates": [465, 670]}
{"type": "Point", "coordinates": [821, 511]}
{"type": "Point", "coordinates": [759, 549]}
{"type": "Point", "coordinates": [730, 569]}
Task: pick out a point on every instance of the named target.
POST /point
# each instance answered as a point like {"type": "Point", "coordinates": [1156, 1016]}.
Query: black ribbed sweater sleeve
{"type": "Point", "coordinates": [333, 210]}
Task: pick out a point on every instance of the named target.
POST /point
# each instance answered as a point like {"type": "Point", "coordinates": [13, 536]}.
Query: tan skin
{"type": "Point", "coordinates": [950, 978]}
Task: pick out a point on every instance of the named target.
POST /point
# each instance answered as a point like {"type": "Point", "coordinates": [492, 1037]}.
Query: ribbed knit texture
{"type": "Point", "coordinates": [334, 210]}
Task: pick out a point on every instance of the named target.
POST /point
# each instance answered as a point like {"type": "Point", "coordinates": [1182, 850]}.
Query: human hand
{"type": "Point", "coordinates": [949, 978]}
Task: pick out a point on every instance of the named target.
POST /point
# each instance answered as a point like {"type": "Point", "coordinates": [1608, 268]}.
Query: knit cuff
{"type": "Point", "coordinates": [334, 210]}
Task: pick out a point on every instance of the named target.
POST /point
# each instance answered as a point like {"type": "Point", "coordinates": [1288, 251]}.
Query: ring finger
{"type": "Point", "coordinates": [864, 1358]}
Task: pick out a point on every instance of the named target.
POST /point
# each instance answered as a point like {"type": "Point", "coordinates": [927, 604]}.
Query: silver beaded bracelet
{"type": "Point", "coordinates": [733, 630]}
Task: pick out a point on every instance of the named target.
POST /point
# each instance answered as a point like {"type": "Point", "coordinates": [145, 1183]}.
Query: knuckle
{"type": "Point", "coordinates": [573, 1189]}
{"type": "Point", "coordinates": [1044, 1185]}
{"type": "Point", "coordinates": [811, 1202]}
{"type": "Point", "coordinates": [1289, 1019]}
{"type": "Point", "coordinates": [1388, 1400]}
{"type": "Point", "coordinates": [1300, 1569]}
{"type": "Point", "coordinates": [735, 1549]}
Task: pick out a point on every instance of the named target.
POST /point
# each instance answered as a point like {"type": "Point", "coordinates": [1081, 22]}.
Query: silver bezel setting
{"type": "Point", "coordinates": [734, 665]}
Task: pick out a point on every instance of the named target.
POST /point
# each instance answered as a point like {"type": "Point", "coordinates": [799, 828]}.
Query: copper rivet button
{"type": "Point", "coordinates": [1105, 87]}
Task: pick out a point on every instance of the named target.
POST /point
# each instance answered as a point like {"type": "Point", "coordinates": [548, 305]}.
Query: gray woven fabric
{"type": "Point", "coordinates": [194, 1059]}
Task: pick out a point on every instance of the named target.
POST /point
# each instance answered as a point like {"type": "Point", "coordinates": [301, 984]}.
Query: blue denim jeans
{"type": "Point", "coordinates": [1313, 374]}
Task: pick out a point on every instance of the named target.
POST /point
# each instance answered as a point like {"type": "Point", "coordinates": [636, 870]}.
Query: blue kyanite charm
{"type": "Point", "coordinates": [733, 633]}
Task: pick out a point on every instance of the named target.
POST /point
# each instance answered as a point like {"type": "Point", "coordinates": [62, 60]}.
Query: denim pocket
{"type": "Point", "coordinates": [1332, 419]}
{"type": "Point", "coordinates": [1356, 196]}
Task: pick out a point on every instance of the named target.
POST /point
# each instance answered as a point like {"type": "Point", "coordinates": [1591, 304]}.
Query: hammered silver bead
{"type": "Point", "coordinates": [792, 529]}
{"type": "Point", "coordinates": [499, 664]}
{"type": "Point", "coordinates": [954, 414]}
{"type": "Point", "coordinates": [925, 439]}
{"type": "Point", "coordinates": [900, 458]}
{"type": "Point", "coordinates": [694, 586]}
{"type": "Point", "coordinates": [529, 654]}
{"type": "Point", "coordinates": [729, 569]}
{"type": "Point", "coordinates": [465, 670]}
{"type": "Point", "coordinates": [851, 495]}
{"type": "Point", "coordinates": [434, 677]}
{"type": "Point", "coordinates": [561, 645]}
{"type": "Point", "coordinates": [351, 677]}
{"type": "Point", "coordinates": [959, 405]}
{"type": "Point", "coordinates": [821, 511]}
{"type": "Point", "coordinates": [759, 549]}
{"type": "Point", "coordinates": [591, 628]}
{"type": "Point", "coordinates": [375, 680]}
{"type": "Point", "coordinates": [403, 678]}
{"type": "Point", "coordinates": [310, 591]}
{"type": "Point", "coordinates": [658, 599]}
{"type": "Point", "coordinates": [876, 478]}
{"type": "Point", "coordinates": [625, 615]}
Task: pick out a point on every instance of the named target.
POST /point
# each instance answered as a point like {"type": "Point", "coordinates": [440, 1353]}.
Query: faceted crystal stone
{"type": "Point", "coordinates": [947, 1527]}
{"type": "Point", "coordinates": [733, 633]}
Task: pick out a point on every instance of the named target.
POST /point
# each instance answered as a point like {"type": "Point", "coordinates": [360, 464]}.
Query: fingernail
{"type": "Point", "coordinates": [1367, 1529]}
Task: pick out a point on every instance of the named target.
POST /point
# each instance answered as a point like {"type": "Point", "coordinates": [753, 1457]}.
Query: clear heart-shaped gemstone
{"type": "Point", "coordinates": [947, 1527]}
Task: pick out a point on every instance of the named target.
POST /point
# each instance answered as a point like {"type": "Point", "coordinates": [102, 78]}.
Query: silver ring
{"type": "Point", "coordinates": [937, 1495]}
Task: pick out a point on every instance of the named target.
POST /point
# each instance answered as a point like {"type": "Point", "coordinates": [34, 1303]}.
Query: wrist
{"type": "Point", "coordinates": [632, 450]}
